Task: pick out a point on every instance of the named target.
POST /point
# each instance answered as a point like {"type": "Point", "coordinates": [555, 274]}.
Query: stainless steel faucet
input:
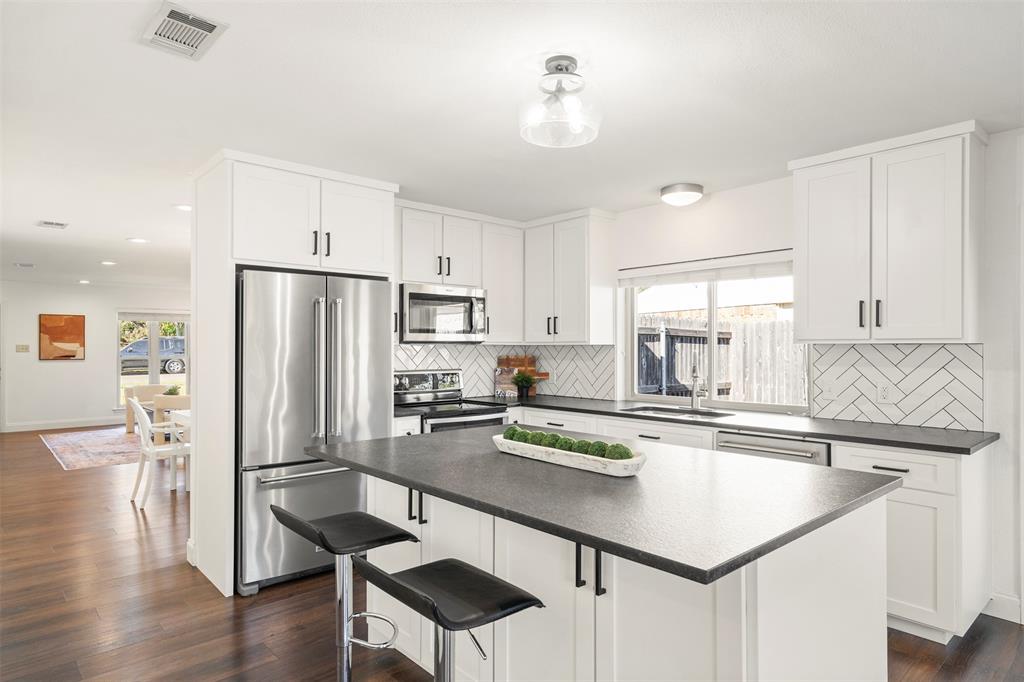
{"type": "Point", "coordinates": [696, 393]}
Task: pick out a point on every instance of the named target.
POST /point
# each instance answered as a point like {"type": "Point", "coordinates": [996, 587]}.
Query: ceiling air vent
{"type": "Point", "coordinates": [53, 224]}
{"type": "Point", "coordinates": [177, 30]}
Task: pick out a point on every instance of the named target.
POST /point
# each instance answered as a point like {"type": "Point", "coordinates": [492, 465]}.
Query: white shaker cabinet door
{"type": "Point", "coordinates": [390, 502]}
{"type": "Point", "coordinates": [556, 642]}
{"type": "Point", "coordinates": [539, 285]}
{"type": "Point", "coordinates": [832, 255]}
{"type": "Point", "coordinates": [502, 275]}
{"type": "Point", "coordinates": [422, 235]}
{"type": "Point", "coordinates": [357, 226]}
{"type": "Point", "coordinates": [917, 242]}
{"type": "Point", "coordinates": [461, 251]}
{"type": "Point", "coordinates": [275, 216]}
{"type": "Point", "coordinates": [571, 281]}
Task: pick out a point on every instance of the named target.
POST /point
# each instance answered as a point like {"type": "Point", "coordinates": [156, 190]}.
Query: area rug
{"type": "Point", "coordinates": [95, 448]}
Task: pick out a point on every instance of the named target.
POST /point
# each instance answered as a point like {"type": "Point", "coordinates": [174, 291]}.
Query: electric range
{"type": "Point", "coordinates": [436, 395]}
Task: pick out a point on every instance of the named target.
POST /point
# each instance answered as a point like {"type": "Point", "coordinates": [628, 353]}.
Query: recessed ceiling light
{"type": "Point", "coordinates": [183, 207]}
{"type": "Point", "coordinates": [25, 266]}
{"type": "Point", "coordinates": [83, 281]}
{"type": "Point", "coordinates": [107, 262]}
{"type": "Point", "coordinates": [682, 193]}
{"type": "Point", "coordinates": [137, 240]}
{"type": "Point", "coordinates": [53, 224]}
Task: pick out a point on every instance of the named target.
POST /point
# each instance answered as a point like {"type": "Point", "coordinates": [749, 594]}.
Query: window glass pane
{"type": "Point", "coordinates": [173, 354]}
{"type": "Point", "coordinates": [757, 361]}
{"type": "Point", "coordinates": [133, 355]}
{"type": "Point", "coordinates": [672, 336]}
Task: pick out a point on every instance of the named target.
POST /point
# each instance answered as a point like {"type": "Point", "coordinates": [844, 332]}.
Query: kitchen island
{"type": "Point", "coordinates": [707, 565]}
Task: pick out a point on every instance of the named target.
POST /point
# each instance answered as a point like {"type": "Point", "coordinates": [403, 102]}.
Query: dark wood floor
{"type": "Point", "coordinates": [91, 588]}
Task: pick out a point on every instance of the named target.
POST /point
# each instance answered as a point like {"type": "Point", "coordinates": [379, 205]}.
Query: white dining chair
{"type": "Point", "coordinates": [154, 450]}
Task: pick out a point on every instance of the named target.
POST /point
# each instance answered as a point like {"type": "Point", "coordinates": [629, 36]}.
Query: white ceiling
{"type": "Point", "coordinates": [101, 131]}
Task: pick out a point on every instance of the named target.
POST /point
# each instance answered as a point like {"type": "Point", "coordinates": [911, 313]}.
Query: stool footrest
{"type": "Point", "coordinates": [375, 645]}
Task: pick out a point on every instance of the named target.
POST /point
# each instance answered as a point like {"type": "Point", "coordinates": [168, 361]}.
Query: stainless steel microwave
{"type": "Point", "coordinates": [434, 313]}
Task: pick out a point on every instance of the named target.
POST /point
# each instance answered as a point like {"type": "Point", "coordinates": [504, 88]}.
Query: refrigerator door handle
{"type": "Point", "coordinates": [320, 380]}
{"type": "Point", "coordinates": [334, 413]}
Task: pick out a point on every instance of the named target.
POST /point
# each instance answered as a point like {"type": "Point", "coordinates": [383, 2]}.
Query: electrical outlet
{"type": "Point", "coordinates": [886, 394]}
{"type": "Point", "coordinates": [21, 348]}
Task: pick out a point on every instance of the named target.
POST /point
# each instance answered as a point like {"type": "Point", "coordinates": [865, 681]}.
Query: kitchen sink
{"type": "Point", "coordinates": [680, 412]}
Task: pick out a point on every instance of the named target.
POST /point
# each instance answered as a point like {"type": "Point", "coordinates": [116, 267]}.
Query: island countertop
{"type": "Point", "coordinates": [694, 513]}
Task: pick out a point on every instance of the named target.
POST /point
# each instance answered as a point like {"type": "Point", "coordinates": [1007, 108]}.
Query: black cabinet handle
{"type": "Point", "coordinates": [598, 583]}
{"type": "Point", "coordinates": [409, 433]}
{"type": "Point", "coordinates": [316, 242]}
{"type": "Point", "coordinates": [644, 435]}
{"type": "Point", "coordinates": [896, 469]}
{"type": "Point", "coordinates": [396, 322]}
{"type": "Point", "coordinates": [438, 265]}
{"type": "Point", "coordinates": [878, 312]}
{"type": "Point", "coordinates": [580, 582]}
{"type": "Point", "coordinates": [412, 517]}
{"type": "Point", "coordinates": [327, 252]}
{"type": "Point", "coordinates": [556, 324]}
{"type": "Point", "coordinates": [487, 325]}
{"type": "Point", "coordinates": [555, 424]}
{"type": "Point", "coordinates": [549, 325]}
{"type": "Point", "coordinates": [423, 519]}
{"type": "Point", "coordinates": [448, 266]}
{"type": "Point", "coordinates": [861, 314]}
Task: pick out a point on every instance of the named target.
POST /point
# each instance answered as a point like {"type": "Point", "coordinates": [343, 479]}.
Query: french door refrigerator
{"type": "Point", "coordinates": [314, 367]}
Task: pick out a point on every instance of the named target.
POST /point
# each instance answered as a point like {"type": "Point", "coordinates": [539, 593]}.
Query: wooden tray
{"type": "Point", "coordinates": [575, 460]}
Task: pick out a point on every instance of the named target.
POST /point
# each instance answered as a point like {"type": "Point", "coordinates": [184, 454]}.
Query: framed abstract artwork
{"type": "Point", "coordinates": [61, 337]}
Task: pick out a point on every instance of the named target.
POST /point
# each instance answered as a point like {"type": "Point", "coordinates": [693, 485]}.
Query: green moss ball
{"type": "Point", "coordinates": [511, 432]}
{"type": "Point", "coordinates": [582, 447]}
{"type": "Point", "coordinates": [619, 451]}
{"type": "Point", "coordinates": [523, 436]}
{"type": "Point", "coordinates": [551, 440]}
{"type": "Point", "coordinates": [537, 438]}
{"type": "Point", "coordinates": [566, 443]}
{"type": "Point", "coordinates": [598, 448]}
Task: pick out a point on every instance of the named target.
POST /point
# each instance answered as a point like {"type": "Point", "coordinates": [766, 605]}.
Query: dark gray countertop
{"type": "Point", "coordinates": [694, 513]}
{"type": "Point", "coordinates": [914, 437]}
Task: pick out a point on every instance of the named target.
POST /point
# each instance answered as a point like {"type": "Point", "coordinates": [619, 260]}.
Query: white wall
{"type": "Point", "coordinates": [43, 394]}
{"type": "Point", "coordinates": [742, 220]}
{"type": "Point", "coordinates": [1000, 244]}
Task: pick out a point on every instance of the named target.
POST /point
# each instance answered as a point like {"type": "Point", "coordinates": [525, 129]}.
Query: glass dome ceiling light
{"type": "Point", "coordinates": [562, 118]}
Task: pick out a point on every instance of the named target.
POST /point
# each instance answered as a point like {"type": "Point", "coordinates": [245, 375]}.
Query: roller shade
{"type": "Point", "coordinates": [744, 266]}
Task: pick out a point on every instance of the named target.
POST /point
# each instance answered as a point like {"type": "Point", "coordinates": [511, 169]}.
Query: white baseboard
{"type": "Point", "coordinates": [1004, 606]}
{"type": "Point", "coordinates": [925, 631]}
{"type": "Point", "coordinates": [63, 424]}
{"type": "Point", "coordinates": [190, 552]}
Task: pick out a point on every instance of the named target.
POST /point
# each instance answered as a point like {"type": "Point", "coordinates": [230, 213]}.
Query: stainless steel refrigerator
{"type": "Point", "coordinates": [313, 367]}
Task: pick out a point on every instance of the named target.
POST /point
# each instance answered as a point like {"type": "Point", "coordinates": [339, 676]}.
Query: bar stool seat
{"type": "Point", "coordinates": [348, 533]}
{"type": "Point", "coordinates": [451, 593]}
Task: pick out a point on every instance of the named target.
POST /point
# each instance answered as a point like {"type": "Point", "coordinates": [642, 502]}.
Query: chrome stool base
{"type": "Point", "coordinates": [343, 616]}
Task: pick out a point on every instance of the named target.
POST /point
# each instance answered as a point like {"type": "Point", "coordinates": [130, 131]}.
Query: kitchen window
{"type": "Point", "coordinates": [733, 324]}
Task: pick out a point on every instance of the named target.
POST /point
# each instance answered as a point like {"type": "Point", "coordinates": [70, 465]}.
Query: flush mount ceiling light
{"type": "Point", "coordinates": [183, 207]}
{"type": "Point", "coordinates": [682, 193]}
{"type": "Point", "coordinates": [137, 240]}
{"type": "Point", "coordinates": [562, 118]}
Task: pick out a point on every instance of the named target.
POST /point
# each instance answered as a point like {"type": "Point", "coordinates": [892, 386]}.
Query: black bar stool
{"type": "Point", "coordinates": [454, 596]}
{"type": "Point", "coordinates": [344, 535]}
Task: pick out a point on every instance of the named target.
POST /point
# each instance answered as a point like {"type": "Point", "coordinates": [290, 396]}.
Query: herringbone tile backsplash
{"type": "Point", "coordinates": [931, 384]}
{"type": "Point", "coordinates": [578, 371]}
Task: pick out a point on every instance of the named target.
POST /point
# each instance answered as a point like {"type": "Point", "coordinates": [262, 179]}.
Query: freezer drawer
{"type": "Point", "coordinates": [269, 551]}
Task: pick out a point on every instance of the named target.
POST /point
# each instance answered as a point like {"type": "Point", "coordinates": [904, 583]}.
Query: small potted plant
{"type": "Point", "coordinates": [523, 382]}
{"type": "Point", "coordinates": [173, 389]}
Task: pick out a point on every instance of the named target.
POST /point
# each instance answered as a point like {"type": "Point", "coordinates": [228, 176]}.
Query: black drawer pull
{"type": "Point", "coordinates": [598, 584]}
{"type": "Point", "coordinates": [412, 517]}
{"type": "Point", "coordinates": [580, 582]}
{"type": "Point", "coordinates": [644, 435]}
{"type": "Point", "coordinates": [423, 519]}
{"type": "Point", "coordinates": [555, 424]}
{"type": "Point", "coordinates": [896, 469]}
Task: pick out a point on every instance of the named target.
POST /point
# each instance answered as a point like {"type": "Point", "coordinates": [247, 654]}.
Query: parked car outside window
{"type": "Point", "coordinates": [135, 356]}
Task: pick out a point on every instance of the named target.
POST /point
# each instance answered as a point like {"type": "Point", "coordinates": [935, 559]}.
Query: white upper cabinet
{"type": "Point", "coordinates": [884, 239]}
{"type": "Point", "coordinates": [461, 246]}
{"type": "Point", "coordinates": [276, 216]}
{"type": "Point", "coordinates": [422, 235]}
{"type": "Point", "coordinates": [502, 278]}
{"type": "Point", "coordinates": [917, 233]}
{"type": "Point", "coordinates": [300, 219]}
{"type": "Point", "coordinates": [832, 259]}
{"type": "Point", "coordinates": [570, 282]}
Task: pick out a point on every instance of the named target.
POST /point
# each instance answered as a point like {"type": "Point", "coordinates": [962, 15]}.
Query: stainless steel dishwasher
{"type": "Point", "coordinates": [792, 449]}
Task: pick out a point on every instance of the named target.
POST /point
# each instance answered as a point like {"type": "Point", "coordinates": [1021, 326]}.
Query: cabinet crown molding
{"type": "Point", "coordinates": [325, 173]}
{"type": "Point", "coordinates": [970, 127]}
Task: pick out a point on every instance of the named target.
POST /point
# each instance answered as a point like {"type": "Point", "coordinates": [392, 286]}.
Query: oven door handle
{"type": "Point", "coordinates": [762, 448]}
{"type": "Point", "coordinates": [469, 418]}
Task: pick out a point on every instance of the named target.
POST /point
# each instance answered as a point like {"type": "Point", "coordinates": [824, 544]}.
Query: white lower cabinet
{"type": "Point", "coordinates": [635, 429]}
{"type": "Point", "coordinates": [405, 426]}
{"type": "Point", "coordinates": [568, 421]}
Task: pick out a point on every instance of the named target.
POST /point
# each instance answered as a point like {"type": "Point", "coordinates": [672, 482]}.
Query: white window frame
{"type": "Point", "coordinates": [152, 318]}
{"type": "Point", "coordinates": [707, 372]}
